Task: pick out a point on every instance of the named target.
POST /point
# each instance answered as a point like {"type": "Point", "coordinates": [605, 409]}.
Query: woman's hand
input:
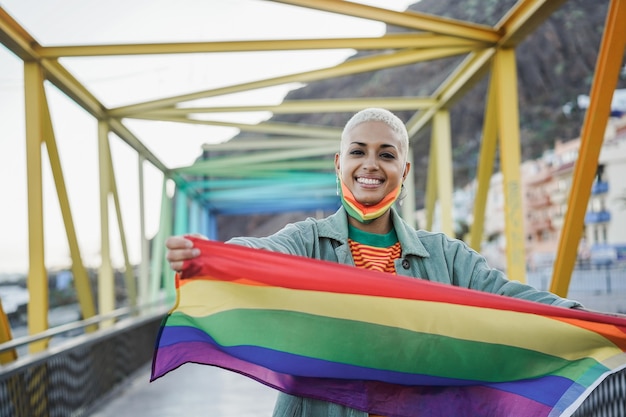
{"type": "Point", "coordinates": [179, 250]}
{"type": "Point", "coordinates": [620, 315]}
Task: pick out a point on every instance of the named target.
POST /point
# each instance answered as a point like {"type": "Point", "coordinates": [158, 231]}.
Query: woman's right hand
{"type": "Point", "coordinates": [179, 250]}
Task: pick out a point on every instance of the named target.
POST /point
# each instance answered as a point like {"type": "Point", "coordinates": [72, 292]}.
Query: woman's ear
{"type": "Point", "coordinates": [407, 169]}
{"type": "Point", "coordinates": [337, 167]}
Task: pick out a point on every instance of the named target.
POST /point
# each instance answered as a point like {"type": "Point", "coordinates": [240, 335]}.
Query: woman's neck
{"type": "Point", "coordinates": [381, 225]}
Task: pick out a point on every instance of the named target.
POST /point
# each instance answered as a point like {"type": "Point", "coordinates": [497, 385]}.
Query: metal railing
{"type": "Point", "coordinates": [70, 379]}
{"type": "Point", "coordinates": [607, 400]}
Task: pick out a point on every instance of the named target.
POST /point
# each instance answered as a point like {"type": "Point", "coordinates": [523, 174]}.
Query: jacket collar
{"type": "Point", "coordinates": [335, 227]}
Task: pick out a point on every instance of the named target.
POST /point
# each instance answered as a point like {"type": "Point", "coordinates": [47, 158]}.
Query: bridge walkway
{"type": "Point", "coordinates": [191, 390]}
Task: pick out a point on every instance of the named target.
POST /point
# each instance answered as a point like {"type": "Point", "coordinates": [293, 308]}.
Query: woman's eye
{"type": "Point", "coordinates": [356, 152]}
{"type": "Point", "coordinates": [388, 155]}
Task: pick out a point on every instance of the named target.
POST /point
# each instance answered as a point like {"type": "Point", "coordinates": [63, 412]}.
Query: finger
{"type": "Point", "coordinates": [178, 242]}
{"type": "Point", "coordinates": [176, 266]}
{"type": "Point", "coordinates": [175, 255]}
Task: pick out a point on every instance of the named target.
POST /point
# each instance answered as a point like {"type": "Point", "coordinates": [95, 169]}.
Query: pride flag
{"type": "Point", "coordinates": [382, 343]}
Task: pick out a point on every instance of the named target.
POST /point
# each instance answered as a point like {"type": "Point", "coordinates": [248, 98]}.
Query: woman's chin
{"type": "Point", "coordinates": [369, 203]}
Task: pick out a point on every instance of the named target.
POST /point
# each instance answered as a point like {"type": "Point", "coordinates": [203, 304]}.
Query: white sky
{"type": "Point", "coordinates": [117, 81]}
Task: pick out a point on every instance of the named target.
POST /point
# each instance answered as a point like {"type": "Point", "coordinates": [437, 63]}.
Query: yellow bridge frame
{"type": "Point", "coordinates": [486, 50]}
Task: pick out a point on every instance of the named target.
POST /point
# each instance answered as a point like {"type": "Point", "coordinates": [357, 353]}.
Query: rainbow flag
{"type": "Point", "coordinates": [382, 343]}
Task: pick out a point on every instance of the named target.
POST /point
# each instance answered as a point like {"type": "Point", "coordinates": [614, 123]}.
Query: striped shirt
{"type": "Point", "coordinates": [373, 251]}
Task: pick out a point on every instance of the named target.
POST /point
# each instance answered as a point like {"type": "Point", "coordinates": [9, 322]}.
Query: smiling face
{"type": "Point", "coordinates": [372, 162]}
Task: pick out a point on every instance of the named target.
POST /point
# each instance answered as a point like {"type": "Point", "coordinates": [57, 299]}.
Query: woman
{"type": "Point", "coordinates": [367, 232]}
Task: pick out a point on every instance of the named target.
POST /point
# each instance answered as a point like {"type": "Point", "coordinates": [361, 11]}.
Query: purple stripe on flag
{"type": "Point", "coordinates": [277, 362]}
{"type": "Point", "coordinates": [377, 397]}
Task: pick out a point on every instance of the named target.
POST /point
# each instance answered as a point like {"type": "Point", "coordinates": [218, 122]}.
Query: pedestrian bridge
{"type": "Point", "coordinates": [97, 365]}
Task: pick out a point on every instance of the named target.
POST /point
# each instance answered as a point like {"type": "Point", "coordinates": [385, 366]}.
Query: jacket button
{"type": "Point", "coordinates": [405, 264]}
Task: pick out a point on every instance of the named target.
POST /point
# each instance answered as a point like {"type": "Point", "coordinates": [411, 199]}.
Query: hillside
{"type": "Point", "coordinates": [555, 65]}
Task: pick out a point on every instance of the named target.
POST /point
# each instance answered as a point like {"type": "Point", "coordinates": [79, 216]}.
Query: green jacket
{"type": "Point", "coordinates": [431, 256]}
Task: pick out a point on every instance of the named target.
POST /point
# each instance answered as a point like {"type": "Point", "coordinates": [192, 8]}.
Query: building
{"type": "Point", "coordinates": [546, 184]}
{"type": "Point", "coordinates": [546, 187]}
{"type": "Point", "coordinates": [605, 222]}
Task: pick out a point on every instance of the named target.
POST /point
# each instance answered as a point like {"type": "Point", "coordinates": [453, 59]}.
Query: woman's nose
{"type": "Point", "coordinates": [370, 162]}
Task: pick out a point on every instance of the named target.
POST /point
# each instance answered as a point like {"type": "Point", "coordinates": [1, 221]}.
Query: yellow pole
{"type": "Point", "coordinates": [129, 273]}
{"type": "Point", "coordinates": [442, 142]}
{"type": "Point", "coordinates": [144, 270]}
{"type": "Point", "coordinates": [106, 280]}
{"type": "Point", "coordinates": [431, 185]}
{"type": "Point", "coordinates": [408, 203]}
{"type": "Point", "coordinates": [605, 80]}
{"type": "Point", "coordinates": [5, 336]}
{"type": "Point", "coordinates": [485, 167]}
{"type": "Point", "coordinates": [81, 278]}
{"type": "Point", "coordinates": [37, 280]}
{"type": "Point", "coordinates": [508, 127]}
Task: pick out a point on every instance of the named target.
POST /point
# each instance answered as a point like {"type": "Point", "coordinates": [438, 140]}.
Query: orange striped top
{"type": "Point", "coordinates": [372, 251]}
{"type": "Point", "coordinates": [375, 252]}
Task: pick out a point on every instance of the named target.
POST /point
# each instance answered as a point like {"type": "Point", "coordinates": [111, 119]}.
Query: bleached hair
{"type": "Point", "coordinates": [375, 114]}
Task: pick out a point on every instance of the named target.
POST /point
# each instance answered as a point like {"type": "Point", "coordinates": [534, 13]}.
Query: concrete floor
{"type": "Point", "coordinates": [191, 390]}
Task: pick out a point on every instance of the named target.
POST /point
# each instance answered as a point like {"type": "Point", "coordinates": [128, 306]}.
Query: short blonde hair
{"type": "Point", "coordinates": [375, 114]}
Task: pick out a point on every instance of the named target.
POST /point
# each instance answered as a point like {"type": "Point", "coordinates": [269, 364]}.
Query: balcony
{"type": "Point", "coordinates": [538, 225]}
{"type": "Point", "coordinates": [599, 187]}
{"type": "Point", "coordinates": [538, 201]}
{"type": "Point", "coordinates": [558, 197]}
{"type": "Point", "coordinates": [597, 217]}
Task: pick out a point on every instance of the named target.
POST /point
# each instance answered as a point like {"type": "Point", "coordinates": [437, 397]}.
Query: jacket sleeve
{"type": "Point", "coordinates": [467, 268]}
{"type": "Point", "coordinates": [293, 239]}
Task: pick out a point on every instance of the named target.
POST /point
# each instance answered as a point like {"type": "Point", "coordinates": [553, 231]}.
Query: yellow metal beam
{"type": "Point", "coordinates": [431, 186]}
{"type": "Point", "coordinates": [262, 143]}
{"type": "Point", "coordinates": [69, 85]}
{"type": "Point", "coordinates": [161, 276]}
{"type": "Point", "coordinates": [350, 67]}
{"type": "Point", "coordinates": [486, 160]}
{"type": "Point", "coordinates": [143, 280]}
{"type": "Point", "coordinates": [306, 106]}
{"type": "Point", "coordinates": [5, 336]}
{"type": "Point", "coordinates": [514, 27]}
{"type": "Point", "coordinates": [441, 141]}
{"type": "Point", "coordinates": [471, 70]}
{"type": "Point", "coordinates": [407, 19]}
{"type": "Point", "coordinates": [408, 203]}
{"type": "Point", "coordinates": [524, 18]}
{"type": "Point", "coordinates": [269, 168]}
{"type": "Point", "coordinates": [81, 278]}
{"type": "Point", "coordinates": [116, 126]}
{"type": "Point", "coordinates": [388, 41]}
{"type": "Point", "coordinates": [15, 38]}
{"type": "Point", "coordinates": [605, 80]}
{"type": "Point", "coordinates": [249, 160]}
{"type": "Point", "coordinates": [505, 71]}
{"type": "Point", "coordinates": [106, 280]}
{"type": "Point", "coordinates": [129, 273]}
{"type": "Point", "coordinates": [37, 281]}
{"type": "Point", "coordinates": [265, 127]}
{"type": "Point", "coordinates": [22, 44]}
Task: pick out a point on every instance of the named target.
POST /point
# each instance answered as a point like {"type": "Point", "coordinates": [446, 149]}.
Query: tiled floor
{"type": "Point", "coordinates": [191, 390]}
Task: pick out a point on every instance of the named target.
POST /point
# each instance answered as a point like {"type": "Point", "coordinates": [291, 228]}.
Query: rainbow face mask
{"type": "Point", "coordinates": [366, 214]}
